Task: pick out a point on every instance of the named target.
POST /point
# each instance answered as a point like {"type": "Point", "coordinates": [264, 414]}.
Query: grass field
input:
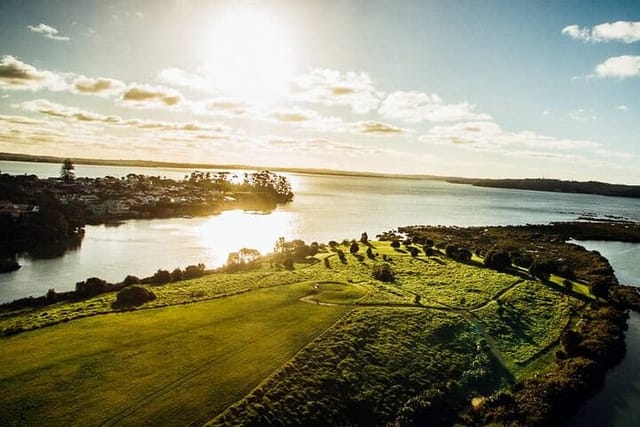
{"type": "Point", "coordinates": [261, 344]}
{"type": "Point", "coordinates": [173, 365]}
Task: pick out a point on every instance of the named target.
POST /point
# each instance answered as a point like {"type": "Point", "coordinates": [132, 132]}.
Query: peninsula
{"type": "Point", "coordinates": [37, 213]}
{"type": "Point", "coordinates": [423, 326]}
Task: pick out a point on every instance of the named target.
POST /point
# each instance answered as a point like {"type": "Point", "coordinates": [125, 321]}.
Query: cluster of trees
{"type": "Point", "coordinates": [267, 183]}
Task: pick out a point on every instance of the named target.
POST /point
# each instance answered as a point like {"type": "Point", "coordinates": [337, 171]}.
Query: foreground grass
{"type": "Point", "coordinates": [367, 366]}
{"type": "Point", "coordinates": [173, 365]}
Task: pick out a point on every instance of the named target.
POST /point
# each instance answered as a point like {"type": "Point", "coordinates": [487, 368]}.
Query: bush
{"type": "Point", "coordinates": [354, 248]}
{"type": "Point", "coordinates": [176, 275]}
{"type": "Point", "coordinates": [193, 271]}
{"type": "Point", "coordinates": [395, 243]}
{"type": "Point", "coordinates": [91, 287]}
{"type": "Point", "coordinates": [599, 288]}
{"type": "Point", "coordinates": [134, 295]}
{"type": "Point", "coordinates": [497, 260]}
{"type": "Point", "coordinates": [288, 263]}
{"type": "Point", "coordinates": [384, 272]}
{"type": "Point", "coordinates": [327, 264]}
{"type": "Point", "coordinates": [130, 280]}
{"type": "Point", "coordinates": [161, 277]}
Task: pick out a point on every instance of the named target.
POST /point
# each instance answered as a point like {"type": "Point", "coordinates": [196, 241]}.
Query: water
{"type": "Point", "coordinates": [617, 404]}
{"type": "Point", "coordinates": [325, 208]}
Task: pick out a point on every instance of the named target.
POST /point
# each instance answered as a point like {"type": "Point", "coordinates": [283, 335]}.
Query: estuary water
{"type": "Point", "coordinates": [325, 208]}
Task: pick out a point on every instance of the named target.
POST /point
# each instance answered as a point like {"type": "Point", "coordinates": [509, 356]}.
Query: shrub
{"type": "Point", "coordinates": [395, 243]}
{"type": "Point", "coordinates": [161, 277]}
{"type": "Point", "coordinates": [288, 263]}
{"type": "Point", "coordinates": [384, 272]}
{"type": "Point", "coordinates": [599, 288]}
{"type": "Point", "coordinates": [497, 260]}
{"type": "Point", "coordinates": [134, 295]}
{"type": "Point", "coordinates": [354, 248]}
{"type": "Point", "coordinates": [130, 280]}
{"type": "Point", "coordinates": [91, 287]}
{"type": "Point", "coordinates": [193, 271]}
{"type": "Point", "coordinates": [176, 275]}
{"type": "Point", "coordinates": [370, 253]}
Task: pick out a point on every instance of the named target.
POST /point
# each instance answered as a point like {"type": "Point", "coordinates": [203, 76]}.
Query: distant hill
{"type": "Point", "coordinates": [555, 185]}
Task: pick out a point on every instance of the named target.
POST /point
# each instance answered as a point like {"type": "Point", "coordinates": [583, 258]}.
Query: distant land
{"type": "Point", "coordinates": [555, 185]}
{"type": "Point", "coordinates": [535, 184]}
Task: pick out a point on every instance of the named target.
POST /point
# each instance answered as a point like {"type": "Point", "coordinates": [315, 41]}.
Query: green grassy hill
{"type": "Point", "coordinates": [324, 343]}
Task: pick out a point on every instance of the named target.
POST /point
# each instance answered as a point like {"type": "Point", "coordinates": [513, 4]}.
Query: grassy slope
{"type": "Point", "coordinates": [171, 365]}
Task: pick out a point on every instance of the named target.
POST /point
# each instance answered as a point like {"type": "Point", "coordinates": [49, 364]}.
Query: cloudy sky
{"type": "Point", "coordinates": [464, 88]}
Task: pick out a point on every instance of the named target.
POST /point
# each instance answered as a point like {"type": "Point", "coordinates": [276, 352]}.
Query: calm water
{"type": "Point", "coordinates": [618, 404]}
{"type": "Point", "coordinates": [332, 208]}
{"type": "Point", "coordinates": [325, 208]}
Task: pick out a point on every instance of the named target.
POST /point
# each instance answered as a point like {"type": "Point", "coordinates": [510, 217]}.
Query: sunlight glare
{"type": "Point", "coordinates": [233, 230]}
{"type": "Point", "coordinates": [248, 53]}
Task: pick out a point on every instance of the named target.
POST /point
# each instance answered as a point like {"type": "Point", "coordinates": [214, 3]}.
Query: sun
{"type": "Point", "coordinates": [248, 53]}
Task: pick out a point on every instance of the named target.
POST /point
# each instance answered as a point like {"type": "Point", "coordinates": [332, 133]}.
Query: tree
{"type": "Point", "coordinates": [384, 272]}
{"type": "Point", "coordinates": [354, 248]}
{"type": "Point", "coordinates": [364, 238]}
{"type": "Point", "coordinates": [66, 171]}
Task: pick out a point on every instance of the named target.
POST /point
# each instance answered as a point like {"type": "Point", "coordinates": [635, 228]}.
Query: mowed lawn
{"type": "Point", "coordinates": [174, 365]}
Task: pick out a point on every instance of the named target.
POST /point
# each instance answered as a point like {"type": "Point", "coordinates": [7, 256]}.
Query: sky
{"type": "Point", "coordinates": [539, 89]}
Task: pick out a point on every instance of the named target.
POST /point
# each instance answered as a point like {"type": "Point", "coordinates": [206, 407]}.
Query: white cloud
{"type": "Point", "coordinates": [373, 127]}
{"type": "Point", "coordinates": [181, 78]}
{"type": "Point", "coordinates": [622, 31]}
{"type": "Point", "coordinates": [59, 111]}
{"type": "Point", "coordinates": [582, 115]}
{"type": "Point", "coordinates": [144, 95]}
{"type": "Point", "coordinates": [228, 107]}
{"type": "Point", "coordinates": [96, 86]}
{"type": "Point", "coordinates": [489, 136]}
{"type": "Point", "coordinates": [332, 88]}
{"type": "Point", "coordinates": [619, 66]}
{"type": "Point", "coordinates": [47, 31]}
{"type": "Point", "coordinates": [292, 115]}
{"type": "Point", "coordinates": [416, 107]}
{"type": "Point", "coordinates": [17, 75]}
{"type": "Point", "coordinates": [622, 108]}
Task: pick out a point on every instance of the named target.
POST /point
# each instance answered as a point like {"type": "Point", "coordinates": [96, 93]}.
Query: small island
{"type": "Point", "coordinates": [423, 326]}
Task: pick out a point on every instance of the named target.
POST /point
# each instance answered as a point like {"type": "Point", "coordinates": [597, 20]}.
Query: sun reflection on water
{"type": "Point", "coordinates": [233, 230]}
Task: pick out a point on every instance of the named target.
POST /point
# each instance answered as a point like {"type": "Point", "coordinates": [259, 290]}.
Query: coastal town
{"type": "Point", "coordinates": [35, 211]}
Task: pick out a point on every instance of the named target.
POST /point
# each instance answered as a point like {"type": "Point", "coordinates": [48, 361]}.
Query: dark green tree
{"type": "Point", "coordinates": [67, 171]}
